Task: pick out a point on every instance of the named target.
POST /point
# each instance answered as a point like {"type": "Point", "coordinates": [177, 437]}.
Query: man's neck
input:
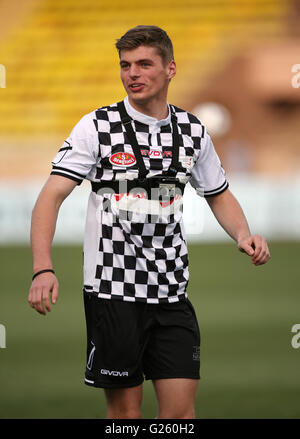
{"type": "Point", "coordinates": [158, 110]}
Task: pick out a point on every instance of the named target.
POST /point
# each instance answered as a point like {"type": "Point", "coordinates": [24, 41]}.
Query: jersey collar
{"type": "Point", "coordinates": [143, 118]}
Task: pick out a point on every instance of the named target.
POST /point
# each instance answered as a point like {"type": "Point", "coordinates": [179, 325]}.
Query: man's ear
{"type": "Point", "coordinates": [171, 69]}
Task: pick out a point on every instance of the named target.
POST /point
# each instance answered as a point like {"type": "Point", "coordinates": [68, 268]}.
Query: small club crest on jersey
{"type": "Point", "coordinates": [122, 159]}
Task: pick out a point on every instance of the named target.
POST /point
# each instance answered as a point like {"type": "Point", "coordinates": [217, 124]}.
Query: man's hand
{"type": "Point", "coordinates": [256, 247]}
{"type": "Point", "coordinates": [230, 215]}
{"type": "Point", "coordinates": [43, 222]}
{"type": "Point", "coordinates": [39, 292]}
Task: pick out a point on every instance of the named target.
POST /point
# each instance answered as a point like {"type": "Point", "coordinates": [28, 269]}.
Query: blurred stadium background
{"type": "Point", "coordinates": [238, 64]}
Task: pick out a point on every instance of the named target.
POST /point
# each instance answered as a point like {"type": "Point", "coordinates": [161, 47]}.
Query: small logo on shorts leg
{"type": "Point", "coordinates": [115, 373]}
{"type": "Point", "coordinates": [91, 357]}
{"type": "Point", "coordinates": [196, 353]}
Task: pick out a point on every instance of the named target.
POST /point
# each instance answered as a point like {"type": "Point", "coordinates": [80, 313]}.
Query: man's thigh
{"type": "Point", "coordinates": [115, 343]}
{"type": "Point", "coordinates": [173, 347]}
{"type": "Point", "coordinates": [176, 397]}
{"type": "Point", "coordinates": [124, 403]}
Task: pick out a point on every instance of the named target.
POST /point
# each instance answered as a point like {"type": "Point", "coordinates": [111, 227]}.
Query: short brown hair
{"type": "Point", "coordinates": [152, 36]}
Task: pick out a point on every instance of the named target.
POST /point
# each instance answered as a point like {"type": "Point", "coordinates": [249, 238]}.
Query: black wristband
{"type": "Point", "coordinates": [42, 271]}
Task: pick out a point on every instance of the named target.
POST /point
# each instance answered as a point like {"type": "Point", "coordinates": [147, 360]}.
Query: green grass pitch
{"type": "Point", "coordinates": [248, 367]}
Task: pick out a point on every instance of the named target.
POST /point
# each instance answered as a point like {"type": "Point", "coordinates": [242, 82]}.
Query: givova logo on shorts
{"type": "Point", "coordinates": [115, 373]}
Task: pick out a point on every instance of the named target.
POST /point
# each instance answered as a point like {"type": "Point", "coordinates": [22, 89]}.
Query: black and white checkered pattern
{"type": "Point", "coordinates": [139, 261]}
{"type": "Point", "coordinates": [126, 255]}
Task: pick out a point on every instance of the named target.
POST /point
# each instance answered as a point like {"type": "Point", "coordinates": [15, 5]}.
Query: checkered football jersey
{"type": "Point", "coordinates": [134, 246]}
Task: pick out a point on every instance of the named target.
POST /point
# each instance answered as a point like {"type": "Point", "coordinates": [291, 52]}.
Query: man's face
{"type": "Point", "coordinates": [144, 75]}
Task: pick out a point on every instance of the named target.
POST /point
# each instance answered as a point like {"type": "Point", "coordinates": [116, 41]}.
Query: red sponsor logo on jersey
{"type": "Point", "coordinates": [122, 159]}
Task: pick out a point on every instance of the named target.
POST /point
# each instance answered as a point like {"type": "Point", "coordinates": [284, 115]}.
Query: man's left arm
{"type": "Point", "coordinates": [230, 216]}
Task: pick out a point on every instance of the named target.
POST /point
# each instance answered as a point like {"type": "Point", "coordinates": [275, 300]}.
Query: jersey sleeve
{"type": "Point", "coordinates": [77, 155]}
{"type": "Point", "coordinates": [208, 176]}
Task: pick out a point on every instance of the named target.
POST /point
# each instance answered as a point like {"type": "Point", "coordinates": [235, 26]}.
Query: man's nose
{"type": "Point", "coordinates": [134, 71]}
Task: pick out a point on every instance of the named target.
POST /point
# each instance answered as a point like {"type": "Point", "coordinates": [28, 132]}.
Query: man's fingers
{"type": "Point", "coordinates": [35, 299]}
{"type": "Point", "coordinates": [262, 253]}
{"type": "Point", "coordinates": [258, 243]}
{"type": "Point", "coordinates": [54, 293]}
{"type": "Point", "coordinates": [258, 255]}
{"type": "Point", "coordinates": [30, 297]}
{"type": "Point", "coordinates": [257, 248]}
{"type": "Point", "coordinates": [39, 302]}
{"type": "Point", "coordinates": [39, 293]}
{"type": "Point", "coordinates": [45, 299]}
{"type": "Point", "coordinates": [246, 248]}
{"type": "Point", "coordinates": [262, 258]}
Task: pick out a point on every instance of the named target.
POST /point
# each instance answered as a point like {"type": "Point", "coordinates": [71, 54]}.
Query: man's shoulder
{"type": "Point", "coordinates": [107, 113]}
{"type": "Point", "coordinates": [184, 114]}
{"type": "Point", "coordinates": [100, 112]}
{"type": "Point", "coordinates": [188, 122]}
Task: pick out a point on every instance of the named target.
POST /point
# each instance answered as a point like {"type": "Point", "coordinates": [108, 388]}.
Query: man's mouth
{"type": "Point", "coordinates": [136, 87]}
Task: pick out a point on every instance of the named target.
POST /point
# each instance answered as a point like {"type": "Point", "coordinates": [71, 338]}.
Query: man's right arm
{"type": "Point", "coordinates": [43, 223]}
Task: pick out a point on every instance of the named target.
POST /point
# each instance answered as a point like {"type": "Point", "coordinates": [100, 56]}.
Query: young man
{"type": "Point", "coordinates": [138, 155]}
